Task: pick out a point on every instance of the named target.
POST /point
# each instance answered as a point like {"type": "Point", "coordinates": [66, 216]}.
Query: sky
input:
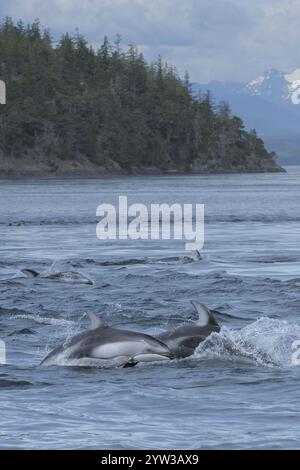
{"type": "Point", "coordinates": [226, 40]}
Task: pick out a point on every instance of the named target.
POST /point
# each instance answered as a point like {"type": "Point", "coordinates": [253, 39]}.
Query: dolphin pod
{"type": "Point", "coordinates": [73, 277]}
{"type": "Point", "coordinates": [104, 346]}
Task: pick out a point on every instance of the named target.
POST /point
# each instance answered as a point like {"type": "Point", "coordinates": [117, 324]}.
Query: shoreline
{"type": "Point", "coordinates": [129, 175]}
{"type": "Point", "coordinates": [138, 174]}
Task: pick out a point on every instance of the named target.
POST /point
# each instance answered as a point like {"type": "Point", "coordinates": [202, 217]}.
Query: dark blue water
{"type": "Point", "coordinates": [243, 397]}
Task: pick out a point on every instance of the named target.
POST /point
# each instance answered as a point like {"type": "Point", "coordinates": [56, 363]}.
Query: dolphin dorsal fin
{"type": "Point", "coordinates": [30, 272]}
{"type": "Point", "coordinates": [96, 322]}
{"type": "Point", "coordinates": [205, 316]}
{"type": "Point", "coordinates": [196, 255]}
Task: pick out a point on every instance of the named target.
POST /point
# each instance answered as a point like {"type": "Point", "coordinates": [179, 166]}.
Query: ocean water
{"type": "Point", "coordinates": [237, 397]}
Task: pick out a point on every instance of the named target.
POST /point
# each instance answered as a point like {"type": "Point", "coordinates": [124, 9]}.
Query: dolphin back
{"type": "Point", "coordinates": [184, 339]}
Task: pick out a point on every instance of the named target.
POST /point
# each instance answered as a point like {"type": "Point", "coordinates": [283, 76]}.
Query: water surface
{"type": "Point", "coordinates": [250, 274]}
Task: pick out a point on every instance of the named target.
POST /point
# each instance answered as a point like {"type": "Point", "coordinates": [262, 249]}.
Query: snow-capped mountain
{"type": "Point", "coordinates": [277, 87]}
{"type": "Point", "coordinates": [269, 103]}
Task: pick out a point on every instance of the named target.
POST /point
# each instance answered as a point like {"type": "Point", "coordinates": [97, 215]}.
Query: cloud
{"type": "Point", "coordinates": [213, 39]}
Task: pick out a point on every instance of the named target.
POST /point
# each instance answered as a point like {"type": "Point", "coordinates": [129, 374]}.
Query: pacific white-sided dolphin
{"type": "Point", "coordinates": [105, 346]}
{"type": "Point", "coordinates": [183, 340]}
{"type": "Point", "coordinates": [195, 256]}
{"type": "Point", "coordinates": [71, 277]}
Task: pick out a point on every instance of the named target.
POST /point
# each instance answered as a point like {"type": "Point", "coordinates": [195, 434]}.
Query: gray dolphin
{"type": "Point", "coordinates": [195, 256]}
{"type": "Point", "coordinates": [71, 277]}
{"type": "Point", "coordinates": [105, 346]}
{"type": "Point", "coordinates": [183, 340]}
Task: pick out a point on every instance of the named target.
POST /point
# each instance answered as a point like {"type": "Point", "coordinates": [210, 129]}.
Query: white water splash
{"type": "Point", "coordinates": [266, 342]}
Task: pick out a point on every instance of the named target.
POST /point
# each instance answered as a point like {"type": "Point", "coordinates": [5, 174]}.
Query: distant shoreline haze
{"type": "Point", "coordinates": [75, 111]}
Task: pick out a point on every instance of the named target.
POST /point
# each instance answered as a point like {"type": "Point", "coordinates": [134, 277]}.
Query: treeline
{"type": "Point", "coordinates": [69, 101]}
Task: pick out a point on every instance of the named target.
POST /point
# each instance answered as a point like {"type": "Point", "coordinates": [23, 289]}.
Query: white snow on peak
{"type": "Point", "coordinates": [291, 77]}
{"type": "Point", "coordinates": [293, 84]}
{"type": "Point", "coordinates": [294, 91]}
{"type": "Point", "coordinates": [270, 82]}
{"type": "Point", "coordinates": [254, 85]}
{"type": "Point", "coordinates": [257, 81]}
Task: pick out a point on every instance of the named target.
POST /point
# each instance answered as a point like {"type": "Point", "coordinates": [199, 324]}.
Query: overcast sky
{"type": "Point", "coordinates": [232, 40]}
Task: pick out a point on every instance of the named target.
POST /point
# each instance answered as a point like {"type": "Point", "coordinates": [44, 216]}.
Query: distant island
{"type": "Point", "coordinates": [75, 111]}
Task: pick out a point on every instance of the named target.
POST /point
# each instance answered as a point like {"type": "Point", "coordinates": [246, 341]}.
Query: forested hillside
{"type": "Point", "coordinates": [75, 110]}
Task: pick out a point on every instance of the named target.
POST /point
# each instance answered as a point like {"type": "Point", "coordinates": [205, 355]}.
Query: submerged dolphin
{"type": "Point", "coordinates": [106, 346]}
{"type": "Point", "coordinates": [195, 256]}
{"type": "Point", "coordinates": [71, 277]}
{"type": "Point", "coordinates": [183, 340]}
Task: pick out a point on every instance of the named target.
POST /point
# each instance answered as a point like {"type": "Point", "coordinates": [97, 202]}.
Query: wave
{"type": "Point", "coordinates": [209, 219]}
{"type": "Point", "coordinates": [266, 342]}
{"type": "Point", "coordinates": [23, 331]}
{"type": "Point", "coordinates": [125, 262]}
{"type": "Point", "coordinates": [6, 383]}
{"type": "Point", "coordinates": [272, 259]}
{"type": "Point", "coordinates": [263, 218]}
{"type": "Point", "coordinates": [46, 320]}
{"type": "Point", "coordinates": [13, 312]}
{"type": "Point", "coordinates": [133, 261]}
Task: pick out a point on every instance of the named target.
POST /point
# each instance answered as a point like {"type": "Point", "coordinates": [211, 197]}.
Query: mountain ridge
{"type": "Point", "coordinates": [270, 104]}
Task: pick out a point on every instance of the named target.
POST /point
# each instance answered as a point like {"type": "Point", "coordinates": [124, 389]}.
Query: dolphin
{"type": "Point", "coordinates": [71, 277]}
{"type": "Point", "coordinates": [183, 340]}
{"type": "Point", "coordinates": [104, 346]}
{"type": "Point", "coordinates": [195, 256]}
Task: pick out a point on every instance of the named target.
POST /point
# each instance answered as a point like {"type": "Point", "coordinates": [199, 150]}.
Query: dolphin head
{"type": "Point", "coordinates": [153, 350]}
